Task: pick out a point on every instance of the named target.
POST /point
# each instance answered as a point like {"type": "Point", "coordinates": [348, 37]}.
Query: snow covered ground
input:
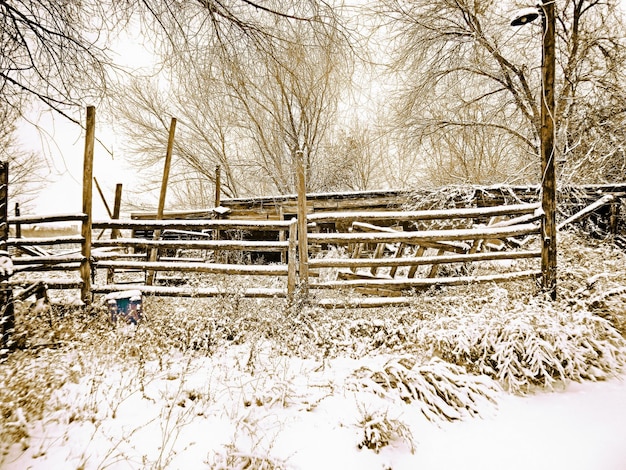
{"type": "Point", "coordinates": [251, 384]}
{"type": "Point", "coordinates": [242, 407]}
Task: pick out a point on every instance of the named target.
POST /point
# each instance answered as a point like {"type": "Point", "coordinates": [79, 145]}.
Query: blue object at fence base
{"type": "Point", "coordinates": [125, 306]}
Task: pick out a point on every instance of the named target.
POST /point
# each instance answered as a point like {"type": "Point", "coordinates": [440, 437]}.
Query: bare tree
{"type": "Point", "coordinates": [26, 170]}
{"type": "Point", "coordinates": [50, 50]}
{"type": "Point", "coordinates": [458, 57]}
{"type": "Point", "coordinates": [58, 52]}
{"type": "Point", "coordinates": [247, 107]}
{"type": "Point", "coordinates": [288, 104]}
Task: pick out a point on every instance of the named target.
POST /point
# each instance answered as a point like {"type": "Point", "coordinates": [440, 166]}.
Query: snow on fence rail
{"type": "Point", "coordinates": [59, 257]}
{"type": "Point", "coordinates": [383, 260]}
{"type": "Point", "coordinates": [212, 244]}
{"type": "Point", "coordinates": [365, 248]}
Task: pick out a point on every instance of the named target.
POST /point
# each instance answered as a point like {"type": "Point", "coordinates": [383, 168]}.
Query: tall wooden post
{"type": "Point", "coordinates": [291, 259]}
{"type": "Point", "coordinates": [115, 233]}
{"type": "Point", "coordinates": [218, 186]}
{"type": "Point", "coordinates": [303, 246]}
{"type": "Point", "coordinates": [4, 204]}
{"type": "Point", "coordinates": [117, 205]}
{"type": "Point", "coordinates": [7, 310]}
{"type": "Point", "coordinates": [164, 181]}
{"type": "Point", "coordinates": [85, 265]}
{"type": "Point", "coordinates": [548, 156]}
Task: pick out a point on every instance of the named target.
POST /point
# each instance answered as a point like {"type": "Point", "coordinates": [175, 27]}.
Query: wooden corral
{"type": "Point", "coordinates": [379, 254]}
{"type": "Point", "coordinates": [381, 243]}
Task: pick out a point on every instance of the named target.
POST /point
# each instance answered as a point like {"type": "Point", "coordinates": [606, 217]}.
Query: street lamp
{"type": "Point", "coordinates": [548, 177]}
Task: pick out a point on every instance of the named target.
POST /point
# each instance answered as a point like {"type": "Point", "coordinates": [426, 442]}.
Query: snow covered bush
{"type": "Point", "coordinates": [524, 343]}
{"type": "Point", "coordinates": [379, 430]}
{"type": "Point", "coordinates": [234, 459]}
{"type": "Point", "coordinates": [443, 391]}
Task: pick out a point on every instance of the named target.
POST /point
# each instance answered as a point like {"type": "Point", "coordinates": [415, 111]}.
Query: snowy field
{"type": "Point", "coordinates": [211, 413]}
{"type": "Point", "coordinates": [477, 377]}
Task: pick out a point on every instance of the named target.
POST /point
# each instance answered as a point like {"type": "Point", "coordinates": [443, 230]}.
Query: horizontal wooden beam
{"type": "Point", "coordinates": [47, 260]}
{"type": "Point", "coordinates": [164, 291]}
{"type": "Point", "coordinates": [211, 268]}
{"type": "Point", "coordinates": [38, 241]}
{"type": "Point", "coordinates": [245, 245]}
{"type": "Point", "coordinates": [46, 267]}
{"type": "Point", "coordinates": [197, 225]}
{"type": "Point", "coordinates": [423, 214]}
{"type": "Point", "coordinates": [407, 284]}
{"type": "Point", "coordinates": [43, 219]}
{"type": "Point", "coordinates": [50, 283]}
{"type": "Point", "coordinates": [422, 260]}
{"type": "Point", "coordinates": [424, 236]}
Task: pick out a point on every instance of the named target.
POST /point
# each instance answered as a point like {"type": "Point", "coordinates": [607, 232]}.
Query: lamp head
{"type": "Point", "coordinates": [527, 15]}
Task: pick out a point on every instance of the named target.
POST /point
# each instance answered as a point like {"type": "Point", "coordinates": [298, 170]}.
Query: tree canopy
{"type": "Point", "coordinates": [468, 74]}
{"type": "Point", "coordinates": [253, 82]}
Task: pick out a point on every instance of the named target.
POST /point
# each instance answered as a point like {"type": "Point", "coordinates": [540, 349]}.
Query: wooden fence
{"type": "Point", "coordinates": [387, 261]}
{"type": "Point", "coordinates": [384, 255]}
{"type": "Point", "coordinates": [54, 260]}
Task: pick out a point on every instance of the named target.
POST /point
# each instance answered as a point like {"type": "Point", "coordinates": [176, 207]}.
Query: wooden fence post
{"type": "Point", "coordinates": [117, 205]}
{"type": "Point", "coordinates": [291, 259]}
{"type": "Point", "coordinates": [85, 265]}
{"type": "Point", "coordinates": [4, 201]}
{"type": "Point", "coordinates": [164, 181]}
{"type": "Point", "coordinates": [218, 186]}
{"type": "Point", "coordinates": [303, 246]}
{"type": "Point", "coordinates": [7, 314]}
{"type": "Point", "coordinates": [115, 233]}
{"type": "Point", "coordinates": [18, 226]}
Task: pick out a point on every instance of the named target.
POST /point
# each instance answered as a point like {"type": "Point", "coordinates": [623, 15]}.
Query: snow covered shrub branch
{"type": "Point", "coordinates": [443, 391]}
{"type": "Point", "coordinates": [379, 430]}
{"type": "Point", "coordinates": [526, 344]}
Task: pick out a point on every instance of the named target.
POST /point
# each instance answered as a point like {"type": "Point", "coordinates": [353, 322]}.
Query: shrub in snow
{"type": "Point", "coordinates": [234, 459]}
{"type": "Point", "coordinates": [443, 391]}
{"type": "Point", "coordinates": [526, 344]}
{"type": "Point", "coordinates": [379, 430]}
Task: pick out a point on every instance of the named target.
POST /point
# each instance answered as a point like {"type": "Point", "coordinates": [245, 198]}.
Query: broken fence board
{"type": "Point", "coordinates": [587, 210]}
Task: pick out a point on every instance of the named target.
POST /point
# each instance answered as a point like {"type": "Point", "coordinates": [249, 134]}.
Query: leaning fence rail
{"type": "Point", "coordinates": [58, 256]}
{"type": "Point", "coordinates": [402, 244]}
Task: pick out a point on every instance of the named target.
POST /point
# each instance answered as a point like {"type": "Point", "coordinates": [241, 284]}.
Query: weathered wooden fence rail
{"type": "Point", "coordinates": [411, 244]}
{"type": "Point", "coordinates": [383, 260]}
{"type": "Point", "coordinates": [60, 257]}
{"type": "Point", "coordinates": [283, 241]}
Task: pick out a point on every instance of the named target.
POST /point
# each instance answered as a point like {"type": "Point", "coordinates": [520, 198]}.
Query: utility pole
{"type": "Point", "coordinates": [545, 10]}
{"type": "Point", "coordinates": [548, 175]}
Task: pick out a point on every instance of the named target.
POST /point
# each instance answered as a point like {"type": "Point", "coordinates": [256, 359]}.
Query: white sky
{"type": "Point", "coordinates": [62, 143]}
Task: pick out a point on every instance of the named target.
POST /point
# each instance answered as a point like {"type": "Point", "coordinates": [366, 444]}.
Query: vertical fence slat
{"type": "Point", "coordinates": [166, 174]}
{"type": "Point", "coordinates": [303, 244]}
{"type": "Point", "coordinates": [85, 265]}
{"type": "Point", "coordinates": [292, 258]}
